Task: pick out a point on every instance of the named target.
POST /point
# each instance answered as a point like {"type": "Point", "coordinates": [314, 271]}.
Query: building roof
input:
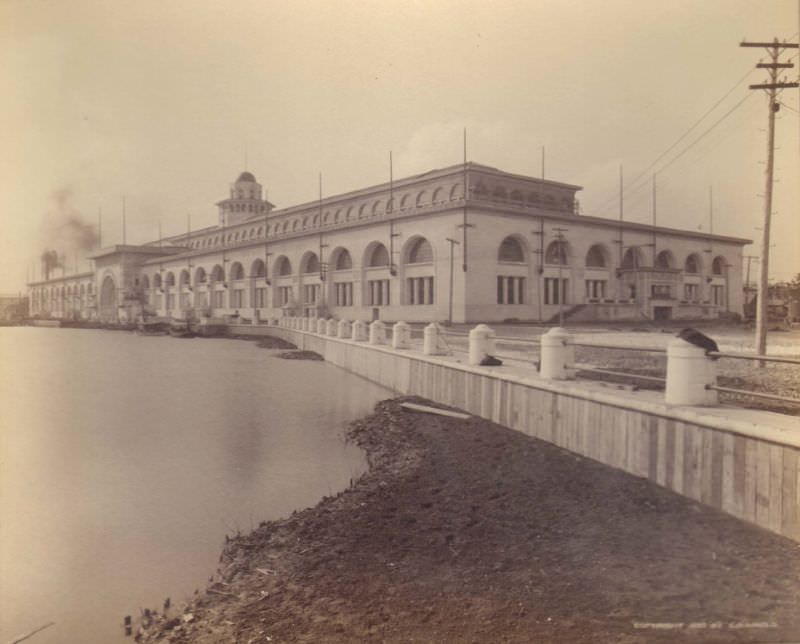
{"type": "Point", "coordinates": [246, 176]}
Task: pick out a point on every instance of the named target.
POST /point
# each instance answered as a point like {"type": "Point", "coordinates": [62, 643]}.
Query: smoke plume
{"type": "Point", "coordinates": [68, 234]}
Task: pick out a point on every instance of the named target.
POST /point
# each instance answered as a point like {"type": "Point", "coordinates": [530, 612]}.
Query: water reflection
{"type": "Point", "coordinates": [125, 461]}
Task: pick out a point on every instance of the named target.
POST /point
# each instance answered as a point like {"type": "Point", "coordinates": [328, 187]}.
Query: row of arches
{"type": "Point", "coordinates": [417, 251]}
{"type": "Point", "coordinates": [379, 207]}
{"type": "Point", "coordinates": [559, 252]}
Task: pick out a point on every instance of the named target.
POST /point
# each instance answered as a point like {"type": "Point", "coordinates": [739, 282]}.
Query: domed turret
{"type": "Point", "coordinates": [245, 201]}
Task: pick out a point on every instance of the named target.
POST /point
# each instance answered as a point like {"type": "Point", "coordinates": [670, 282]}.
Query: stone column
{"type": "Point", "coordinates": [345, 329]}
{"type": "Point", "coordinates": [430, 343]}
{"type": "Point", "coordinates": [556, 353]}
{"type": "Point", "coordinates": [331, 328]}
{"type": "Point", "coordinates": [377, 332]}
{"type": "Point", "coordinates": [359, 331]}
{"type": "Point", "coordinates": [401, 336]}
{"type": "Point", "coordinates": [481, 343]}
{"type": "Point", "coordinates": [689, 370]}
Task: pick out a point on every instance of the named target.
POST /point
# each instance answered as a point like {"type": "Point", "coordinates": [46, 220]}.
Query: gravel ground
{"type": "Point", "coordinates": [465, 531]}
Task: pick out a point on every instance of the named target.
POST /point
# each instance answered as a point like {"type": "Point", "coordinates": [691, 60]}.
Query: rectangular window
{"type": "Point", "coordinates": [218, 299]}
{"type": "Point", "coordinates": [310, 293]}
{"type": "Point", "coordinates": [595, 289]}
{"type": "Point", "coordinates": [510, 290]}
{"type": "Point", "coordinates": [184, 301]}
{"type": "Point", "coordinates": [718, 294]}
{"type": "Point", "coordinates": [237, 298]}
{"type": "Point", "coordinates": [343, 294]}
{"type": "Point", "coordinates": [661, 292]}
{"type": "Point", "coordinates": [378, 293]}
{"type": "Point", "coordinates": [284, 295]}
{"type": "Point", "coordinates": [261, 297]}
{"type": "Point", "coordinates": [691, 292]}
{"type": "Point", "coordinates": [552, 293]}
{"type": "Point", "coordinates": [419, 290]}
{"type": "Point", "coordinates": [170, 301]}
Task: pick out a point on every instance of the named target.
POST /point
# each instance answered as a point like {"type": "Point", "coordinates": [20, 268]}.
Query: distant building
{"type": "Point", "coordinates": [385, 252]}
{"type": "Point", "coordinates": [13, 307]}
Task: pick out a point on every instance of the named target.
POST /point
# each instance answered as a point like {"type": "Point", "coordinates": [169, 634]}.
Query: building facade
{"type": "Point", "coordinates": [466, 243]}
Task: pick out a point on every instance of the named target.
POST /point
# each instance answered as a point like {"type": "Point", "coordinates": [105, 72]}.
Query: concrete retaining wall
{"type": "Point", "coordinates": [742, 462]}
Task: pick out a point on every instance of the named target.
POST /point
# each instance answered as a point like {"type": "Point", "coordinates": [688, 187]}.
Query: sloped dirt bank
{"type": "Point", "coordinates": [464, 531]}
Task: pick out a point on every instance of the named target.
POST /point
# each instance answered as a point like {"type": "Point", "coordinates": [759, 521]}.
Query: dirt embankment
{"type": "Point", "coordinates": [464, 531]}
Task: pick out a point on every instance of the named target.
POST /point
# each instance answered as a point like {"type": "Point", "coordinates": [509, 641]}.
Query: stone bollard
{"type": "Point", "coordinates": [331, 328]}
{"type": "Point", "coordinates": [377, 332]}
{"type": "Point", "coordinates": [431, 340]}
{"type": "Point", "coordinates": [322, 324]}
{"type": "Point", "coordinates": [689, 370]}
{"type": "Point", "coordinates": [401, 336]}
{"type": "Point", "coordinates": [481, 343]}
{"type": "Point", "coordinates": [360, 331]}
{"type": "Point", "coordinates": [345, 329]}
{"type": "Point", "coordinates": [303, 324]}
{"type": "Point", "coordinates": [557, 353]}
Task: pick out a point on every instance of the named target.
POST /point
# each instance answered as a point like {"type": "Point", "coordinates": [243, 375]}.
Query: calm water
{"type": "Point", "coordinates": [124, 461]}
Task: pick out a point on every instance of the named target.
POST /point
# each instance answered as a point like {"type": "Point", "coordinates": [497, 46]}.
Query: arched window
{"type": "Point", "coordinates": [718, 266]}
{"type": "Point", "coordinates": [311, 264]}
{"type": "Point", "coordinates": [692, 264]}
{"type": "Point", "coordinates": [420, 252]}
{"type": "Point", "coordinates": [157, 280]}
{"type": "Point", "coordinates": [218, 274]}
{"type": "Point", "coordinates": [437, 195]}
{"type": "Point", "coordinates": [664, 260]}
{"type": "Point", "coordinates": [405, 202]}
{"type": "Point", "coordinates": [510, 251]}
{"type": "Point", "coordinates": [556, 253]}
{"type": "Point", "coordinates": [516, 196]}
{"type": "Point", "coordinates": [184, 278]}
{"type": "Point", "coordinates": [145, 281]}
{"type": "Point", "coordinates": [237, 271]}
{"type": "Point", "coordinates": [499, 193]}
{"type": "Point", "coordinates": [456, 191]}
{"type": "Point", "coordinates": [284, 267]}
{"type": "Point", "coordinates": [422, 198]}
{"type": "Point", "coordinates": [632, 258]}
{"type": "Point", "coordinates": [258, 269]}
{"type": "Point", "coordinates": [169, 280]}
{"type": "Point", "coordinates": [379, 256]}
{"type": "Point", "coordinates": [200, 276]}
{"type": "Point", "coordinates": [377, 208]}
{"type": "Point", "coordinates": [596, 258]}
{"type": "Point", "coordinates": [362, 210]}
{"type": "Point", "coordinates": [343, 261]}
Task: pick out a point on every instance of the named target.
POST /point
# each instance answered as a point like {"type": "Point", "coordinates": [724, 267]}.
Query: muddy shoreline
{"type": "Point", "coordinates": [465, 531]}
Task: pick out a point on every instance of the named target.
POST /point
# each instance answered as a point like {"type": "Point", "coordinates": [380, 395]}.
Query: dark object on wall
{"type": "Point", "coordinates": [693, 336]}
{"type": "Point", "coordinates": [491, 361]}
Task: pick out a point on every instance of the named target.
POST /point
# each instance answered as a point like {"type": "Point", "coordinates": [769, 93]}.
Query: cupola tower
{"type": "Point", "coordinates": [245, 201]}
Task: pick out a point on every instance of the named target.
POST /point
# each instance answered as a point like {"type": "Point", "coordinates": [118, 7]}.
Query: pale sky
{"type": "Point", "coordinates": [159, 100]}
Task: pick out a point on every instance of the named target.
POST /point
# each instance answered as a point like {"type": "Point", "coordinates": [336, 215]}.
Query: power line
{"type": "Point", "coordinates": [681, 137]}
{"type": "Point", "coordinates": [633, 190]}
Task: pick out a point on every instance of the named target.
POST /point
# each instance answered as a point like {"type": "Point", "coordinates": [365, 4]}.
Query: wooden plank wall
{"type": "Point", "coordinates": [752, 479]}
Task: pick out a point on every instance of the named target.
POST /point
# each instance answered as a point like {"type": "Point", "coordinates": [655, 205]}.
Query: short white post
{"type": "Point", "coordinates": [401, 336]}
{"type": "Point", "coordinates": [689, 370]}
{"type": "Point", "coordinates": [360, 331]}
{"type": "Point", "coordinates": [377, 332]}
{"type": "Point", "coordinates": [303, 324]}
{"type": "Point", "coordinates": [321, 325]}
{"type": "Point", "coordinates": [345, 329]}
{"type": "Point", "coordinates": [481, 343]}
{"type": "Point", "coordinates": [331, 328]}
{"type": "Point", "coordinates": [557, 352]}
{"type": "Point", "coordinates": [430, 340]}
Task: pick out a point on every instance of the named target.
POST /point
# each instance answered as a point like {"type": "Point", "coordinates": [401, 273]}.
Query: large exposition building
{"type": "Point", "coordinates": [465, 243]}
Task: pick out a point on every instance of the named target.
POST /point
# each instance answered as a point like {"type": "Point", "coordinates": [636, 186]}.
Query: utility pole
{"type": "Point", "coordinates": [562, 256]}
{"type": "Point", "coordinates": [453, 243]}
{"type": "Point", "coordinates": [774, 49]}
